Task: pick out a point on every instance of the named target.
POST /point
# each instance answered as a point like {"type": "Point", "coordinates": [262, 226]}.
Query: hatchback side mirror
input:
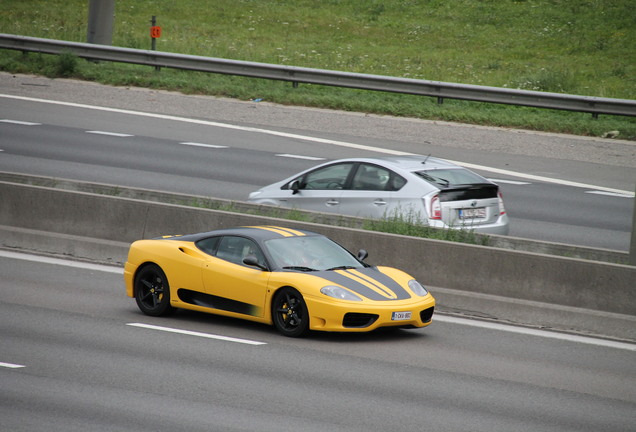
{"type": "Point", "coordinates": [362, 254]}
{"type": "Point", "coordinates": [295, 187]}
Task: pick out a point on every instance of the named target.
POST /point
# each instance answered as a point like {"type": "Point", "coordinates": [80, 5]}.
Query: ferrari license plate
{"type": "Point", "coordinates": [401, 316]}
{"type": "Point", "coordinates": [472, 213]}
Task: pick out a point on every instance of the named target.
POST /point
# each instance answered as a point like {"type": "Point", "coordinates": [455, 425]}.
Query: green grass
{"type": "Point", "coordinates": [581, 47]}
{"type": "Point", "coordinates": [405, 227]}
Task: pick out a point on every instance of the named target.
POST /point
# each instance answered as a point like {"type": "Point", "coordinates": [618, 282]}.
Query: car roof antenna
{"type": "Point", "coordinates": [424, 161]}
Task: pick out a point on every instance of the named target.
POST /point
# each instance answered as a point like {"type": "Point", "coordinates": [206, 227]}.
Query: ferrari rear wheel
{"type": "Point", "coordinates": [289, 313]}
{"type": "Point", "coordinates": [152, 291]}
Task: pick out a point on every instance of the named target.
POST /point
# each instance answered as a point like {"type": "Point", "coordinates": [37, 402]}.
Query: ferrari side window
{"type": "Point", "coordinates": [208, 245]}
{"type": "Point", "coordinates": [235, 249]}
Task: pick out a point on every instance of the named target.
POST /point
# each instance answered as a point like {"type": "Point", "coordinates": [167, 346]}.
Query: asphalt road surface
{"type": "Point", "coordinates": [77, 355]}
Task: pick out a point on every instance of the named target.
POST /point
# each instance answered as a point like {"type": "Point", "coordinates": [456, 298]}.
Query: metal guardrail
{"type": "Point", "coordinates": [437, 89]}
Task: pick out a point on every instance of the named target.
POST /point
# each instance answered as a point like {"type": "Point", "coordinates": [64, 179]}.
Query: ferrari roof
{"type": "Point", "coordinates": [259, 232]}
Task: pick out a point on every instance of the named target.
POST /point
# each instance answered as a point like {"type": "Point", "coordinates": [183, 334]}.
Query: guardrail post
{"type": "Point", "coordinates": [101, 15]}
{"type": "Point", "coordinates": [632, 248]}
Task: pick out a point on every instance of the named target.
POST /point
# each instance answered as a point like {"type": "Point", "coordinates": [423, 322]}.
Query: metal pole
{"type": "Point", "coordinates": [153, 37]}
{"type": "Point", "coordinates": [153, 43]}
{"type": "Point", "coordinates": [101, 14]}
{"type": "Point", "coordinates": [632, 249]}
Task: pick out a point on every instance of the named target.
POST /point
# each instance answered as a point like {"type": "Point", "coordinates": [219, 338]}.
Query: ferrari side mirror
{"type": "Point", "coordinates": [252, 261]}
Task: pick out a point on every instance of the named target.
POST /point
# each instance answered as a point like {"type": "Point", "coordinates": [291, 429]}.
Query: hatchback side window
{"type": "Point", "coordinates": [396, 182]}
{"type": "Point", "coordinates": [374, 177]}
{"type": "Point", "coordinates": [329, 177]}
{"type": "Point", "coordinates": [235, 249]}
{"type": "Point", "coordinates": [370, 177]}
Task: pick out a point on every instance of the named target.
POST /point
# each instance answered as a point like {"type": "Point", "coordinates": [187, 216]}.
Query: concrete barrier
{"type": "Point", "coordinates": [114, 222]}
{"type": "Point", "coordinates": [500, 242]}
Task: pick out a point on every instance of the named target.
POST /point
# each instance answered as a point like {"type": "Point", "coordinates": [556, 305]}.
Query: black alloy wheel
{"type": "Point", "coordinates": [289, 313]}
{"type": "Point", "coordinates": [152, 291]}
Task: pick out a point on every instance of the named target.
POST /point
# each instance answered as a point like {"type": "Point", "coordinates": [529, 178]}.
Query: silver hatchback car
{"type": "Point", "coordinates": [418, 188]}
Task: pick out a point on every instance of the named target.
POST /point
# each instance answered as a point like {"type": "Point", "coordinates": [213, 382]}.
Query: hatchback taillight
{"type": "Point", "coordinates": [502, 209]}
{"type": "Point", "coordinates": [436, 208]}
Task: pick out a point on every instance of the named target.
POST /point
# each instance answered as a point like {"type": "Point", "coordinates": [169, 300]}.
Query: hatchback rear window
{"type": "Point", "coordinates": [449, 177]}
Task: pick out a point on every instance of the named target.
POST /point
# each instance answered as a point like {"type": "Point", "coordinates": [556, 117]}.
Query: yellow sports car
{"type": "Point", "coordinates": [297, 280]}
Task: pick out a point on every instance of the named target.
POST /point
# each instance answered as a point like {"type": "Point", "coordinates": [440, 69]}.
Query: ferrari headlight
{"type": "Point", "coordinates": [417, 288]}
{"type": "Point", "coordinates": [339, 293]}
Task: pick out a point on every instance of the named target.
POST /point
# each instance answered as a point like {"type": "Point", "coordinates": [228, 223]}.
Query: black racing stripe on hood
{"type": "Point", "coordinates": [380, 280]}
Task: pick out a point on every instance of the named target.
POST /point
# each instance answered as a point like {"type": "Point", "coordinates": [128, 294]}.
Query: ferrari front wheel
{"type": "Point", "coordinates": [289, 313]}
{"type": "Point", "coordinates": [152, 291]}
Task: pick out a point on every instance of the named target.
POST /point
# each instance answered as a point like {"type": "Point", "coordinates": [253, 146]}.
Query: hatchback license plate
{"type": "Point", "coordinates": [472, 213]}
{"type": "Point", "coordinates": [401, 316]}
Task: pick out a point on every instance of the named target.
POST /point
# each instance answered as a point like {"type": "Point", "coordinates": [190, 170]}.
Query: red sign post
{"type": "Point", "coordinates": [155, 32]}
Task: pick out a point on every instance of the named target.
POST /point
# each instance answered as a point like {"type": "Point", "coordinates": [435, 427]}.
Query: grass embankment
{"type": "Point", "coordinates": [578, 47]}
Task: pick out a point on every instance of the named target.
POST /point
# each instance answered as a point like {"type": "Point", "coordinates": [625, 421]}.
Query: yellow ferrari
{"type": "Point", "coordinates": [296, 280]}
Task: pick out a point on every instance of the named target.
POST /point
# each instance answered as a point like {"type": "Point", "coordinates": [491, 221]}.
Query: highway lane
{"type": "Point", "coordinates": [156, 153]}
{"type": "Point", "coordinates": [229, 161]}
{"type": "Point", "coordinates": [84, 367]}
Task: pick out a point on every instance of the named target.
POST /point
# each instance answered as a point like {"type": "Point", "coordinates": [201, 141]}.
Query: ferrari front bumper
{"type": "Point", "coordinates": [327, 315]}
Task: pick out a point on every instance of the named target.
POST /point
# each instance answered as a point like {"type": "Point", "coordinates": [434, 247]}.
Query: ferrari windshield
{"type": "Point", "coordinates": [309, 253]}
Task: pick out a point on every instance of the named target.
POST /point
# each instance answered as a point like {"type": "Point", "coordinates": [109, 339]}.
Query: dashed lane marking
{"type": "Point", "coordinates": [18, 122]}
{"type": "Point", "coordinates": [115, 134]}
{"type": "Point", "coordinates": [292, 156]}
{"type": "Point", "coordinates": [195, 144]}
{"type": "Point", "coordinates": [197, 334]}
{"type": "Point", "coordinates": [11, 365]}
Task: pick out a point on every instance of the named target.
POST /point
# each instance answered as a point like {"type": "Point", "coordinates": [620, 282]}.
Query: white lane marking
{"type": "Point", "coordinates": [59, 261]}
{"type": "Point", "coordinates": [198, 334]}
{"type": "Point", "coordinates": [115, 134]}
{"type": "Point", "coordinates": [285, 155]}
{"type": "Point", "coordinates": [194, 144]}
{"type": "Point", "coordinates": [614, 194]}
{"type": "Point", "coordinates": [11, 365]}
{"type": "Point", "coordinates": [18, 122]}
{"type": "Point", "coordinates": [314, 139]}
{"type": "Point", "coordinates": [536, 332]}
{"type": "Point", "coordinates": [512, 182]}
